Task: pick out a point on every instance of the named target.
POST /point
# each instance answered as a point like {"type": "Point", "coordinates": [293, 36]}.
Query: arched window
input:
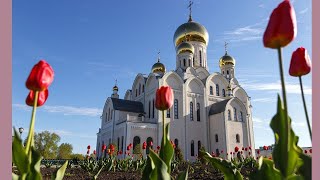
{"type": "Point", "coordinates": [191, 111]}
{"type": "Point", "coordinates": [111, 114]}
{"type": "Point", "coordinates": [241, 116]}
{"type": "Point", "coordinates": [199, 146]}
{"type": "Point", "coordinates": [211, 90]}
{"type": "Point", "coordinates": [153, 108]}
{"type": "Point", "coordinates": [168, 113]}
{"type": "Point", "coordinates": [200, 56]}
{"type": "Point", "coordinates": [227, 71]}
{"type": "Point", "coordinates": [136, 141]}
{"type": "Point", "coordinates": [198, 111]}
{"type": "Point", "coordinates": [223, 93]}
{"type": "Point", "coordinates": [192, 148]}
{"type": "Point", "coordinates": [235, 113]}
{"type": "Point", "coordinates": [176, 142]}
{"type": "Point", "coordinates": [122, 138]}
{"type": "Point", "coordinates": [176, 109]}
{"type": "Point", "coordinates": [217, 139]}
{"type": "Point", "coordinates": [143, 88]}
{"type": "Point", "coordinates": [118, 145]}
{"type": "Point", "coordinates": [139, 89]}
{"type": "Point", "coordinates": [229, 114]}
{"type": "Point", "coordinates": [136, 92]}
{"type": "Point", "coordinates": [217, 89]}
{"type": "Point", "coordinates": [238, 138]}
{"type": "Point", "coordinates": [106, 117]}
{"type": "Point", "coordinates": [184, 62]}
{"type": "Point", "coordinates": [149, 109]}
{"type": "Point", "coordinates": [149, 139]}
{"type": "Point", "coordinates": [193, 60]}
{"type": "Point", "coordinates": [189, 62]}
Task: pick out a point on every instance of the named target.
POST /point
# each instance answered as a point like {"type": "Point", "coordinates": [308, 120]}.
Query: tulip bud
{"type": "Point", "coordinates": [236, 149]}
{"type": "Point", "coordinates": [310, 150]}
{"type": "Point", "coordinates": [88, 152]}
{"type": "Point", "coordinates": [42, 98]}
{"type": "Point", "coordinates": [258, 151]}
{"type": "Point", "coordinates": [150, 143]}
{"type": "Point", "coordinates": [144, 145]}
{"type": "Point", "coordinates": [104, 147]}
{"type": "Point", "coordinates": [164, 98]}
{"type": "Point", "coordinates": [282, 26]}
{"type": "Point", "coordinates": [300, 63]}
{"type": "Point", "coordinates": [94, 152]}
{"type": "Point", "coordinates": [246, 149]}
{"type": "Point", "coordinates": [40, 77]}
{"type": "Point", "coordinates": [305, 151]}
{"type": "Point", "coordinates": [128, 148]}
{"type": "Point", "coordinates": [158, 147]}
{"type": "Point", "coordinates": [88, 147]}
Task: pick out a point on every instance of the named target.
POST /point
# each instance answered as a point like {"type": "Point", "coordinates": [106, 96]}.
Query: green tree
{"type": "Point", "coordinates": [65, 151]}
{"type": "Point", "coordinates": [77, 156]}
{"type": "Point", "coordinates": [46, 144]}
{"type": "Point", "coordinates": [137, 149]}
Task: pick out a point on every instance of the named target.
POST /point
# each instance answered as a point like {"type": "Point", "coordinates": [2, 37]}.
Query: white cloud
{"type": "Point", "coordinates": [65, 110]}
{"type": "Point", "coordinates": [263, 100]}
{"type": "Point", "coordinates": [261, 6]}
{"type": "Point", "coordinates": [303, 11]}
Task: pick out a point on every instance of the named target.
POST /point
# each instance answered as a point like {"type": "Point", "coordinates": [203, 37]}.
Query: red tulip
{"type": "Point", "coordinates": [282, 26]}
{"type": "Point", "coordinates": [150, 143]}
{"type": "Point", "coordinates": [265, 148]}
{"type": "Point", "coordinates": [241, 152]}
{"type": "Point", "coordinates": [258, 151]}
{"type": "Point", "coordinates": [249, 153]}
{"type": "Point", "coordinates": [40, 77]}
{"type": "Point", "coordinates": [158, 147]}
{"type": "Point", "coordinates": [128, 154]}
{"type": "Point", "coordinates": [42, 98]}
{"type": "Point", "coordinates": [242, 148]}
{"type": "Point", "coordinates": [94, 152]}
{"type": "Point", "coordinates": [111, 147]}
{"type": "Point", "coordinates": [236, 149]}
{"type": "Point", "coordinates": [300, 63]}
{"type": "Point", "coordinates": [88, 152]}
{"type": "Point", "coordinates": [144, 145]}
{"type": "Point", "coordinates": [230, 152]}
{"type": "Point", "coordinates": [249, 147]}
{"type": "Point", "coordinates": [310, 150]}
{"type": "Point", "coordinates": [109, 151]}
{"type": "Point", "coordinates": [88, 147]}
{"type": "Point", "coordinates": [305, 151]}
{"type": "Point", "coordinates": [130, 145]}
{"type": "Point", "coordinates": [104, 147]}
{"type": "Point", "coordinates": [246, 149]}
{"type": "Point", "coordinates": [221, 151]}
{"type": "Point", "coordinates": [164, 98]}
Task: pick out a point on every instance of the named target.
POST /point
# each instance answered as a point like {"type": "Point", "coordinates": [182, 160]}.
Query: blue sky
{"type": "Point", "coordinates": [91, 43]}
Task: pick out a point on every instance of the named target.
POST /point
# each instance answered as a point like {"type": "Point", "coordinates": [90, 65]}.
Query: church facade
{"type": "Point", "coordinates": [209, 110]}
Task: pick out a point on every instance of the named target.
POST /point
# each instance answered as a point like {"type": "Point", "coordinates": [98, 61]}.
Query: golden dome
{"type": "Point", "coordinates": [185, 47]}
{"type": "Point", "coordinates": [226, 59]}
{"type": "Point", "coordinates": [115, 88]}
{"type": "Point", "coordinates": [194, 32]}
{"type": "Point", "coordinates": [158, 67]}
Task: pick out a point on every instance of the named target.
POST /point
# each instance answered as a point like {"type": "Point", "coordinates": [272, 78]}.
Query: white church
{"type": "Point", "coordinates": [210, 110]}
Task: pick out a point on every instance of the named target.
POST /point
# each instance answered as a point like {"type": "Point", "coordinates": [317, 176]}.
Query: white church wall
{"type": "Point", "coordinates": [217, 127]}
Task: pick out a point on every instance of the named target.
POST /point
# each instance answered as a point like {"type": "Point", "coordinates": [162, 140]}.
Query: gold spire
{"type": "Point", "coordinates": [115, 87]}
{"type": "Point", "coordinates": [225, 47]}
{"type": "Point", "coordinates": [158, 66]}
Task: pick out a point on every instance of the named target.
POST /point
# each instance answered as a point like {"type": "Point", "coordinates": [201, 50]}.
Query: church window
{"type": "Point", "coordinates": [176, 142]}
{"type": "Point", "coordinates": [189, 62]}
{"type": "Point", "coordinates": [200, 58]}
{"type": "Point", "coordinates": [143, 88]}
{"type": "Point", "coordinates": [222, 72]}
{"type": "Point", "coordinates": [139, 89]}
{"type": "Point", "coordinates": [136, 92]}
{"type": "Point", "coordinates": [176, 109]}
{"type": "Point", "coordinates": [122, 141]}
{"type": "Point", "coordinates": [238, 138]}
{"type": "Point", "coordinates": [106, 117]}
{"type": "Point", "coordinates": [217, 138]}
{"type": "Point", "coordinates": [184, 62]}
{"type": "Point", "coordinates": [198, 111]}
{"type": "Point", "coordinates": [193, 61]}
{"type": "Point", "coordinates": [223, 93]}
{"type": "Point", "coordinates": [235, 113]}
{"type": "Point", "coordinates": [192, 148]}
{"type": "Point", "coordinates": [136, 141]}
{"type": "Point", "coordinates": [118, 145]}
{"type": "Point", "coordinates": [217, 152]}
{"type": "Point", "coordinates": [229, 114]}
{"type": "Point", "coordinates": [149, 109]}
{"type": "Point", "coordinates": [227, 71]}
{"type": "Point", "coordinates": [111, 114]}
{"type": "Point", "coordinates": [191, 111]}
{"type": "Point", "coordinates": [199, 146]}
{"type": "Point", "coordinates": [217, 89]}
{"type": "Point", "coordinates": [241, 116]}
{"type": "Point", "coordinates": [211, 90]}
{"type": "Point", "coordinates": [152, 108]}
{"type": "Point", "coordinates": [149, 139]}
{"type": "Point", "coordinates": [168, 113]}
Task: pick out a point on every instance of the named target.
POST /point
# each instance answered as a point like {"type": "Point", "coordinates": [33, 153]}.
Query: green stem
{"type": "Point", "coordinates": [163, 129]}
{"type": "Point", "coordinates": [31, 128]}
{"type": "Point", "coordinates": [305, 107]}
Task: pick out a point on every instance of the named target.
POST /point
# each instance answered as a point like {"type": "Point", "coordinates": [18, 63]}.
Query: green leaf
{"type": "Point", "coordinates": [58, 175]}
{"type": "Point", "coordinates": [36, 158]}
{"type": "Point", "coordinates": [147, 169]}
{"type": "Point", "coordinates": [97, 174]}
{"type": "Point", "coordinates": [166, 150]}
{"type": "Point", "coordinates": [19, 156]}
{"type": "Point", "coordinates": [226, 167]}
{"type": "Point", "coordinates": [285, 155]}
{"type": "Point", "coordinates": [183, 175]}
{"type": "Point", "coordinates": [306, 168]}
{"type": "Point", "coordinates": [14, 176]}
{"type": "Point", "coordinates": [266, 170]}
{"type": "Point", "coordinates": [159, 168]}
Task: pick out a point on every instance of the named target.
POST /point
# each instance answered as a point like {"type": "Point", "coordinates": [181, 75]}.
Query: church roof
{"type": "Point", "coordinates": [218, 107]}
{"type": "Point", "coordinates": [127, 105]}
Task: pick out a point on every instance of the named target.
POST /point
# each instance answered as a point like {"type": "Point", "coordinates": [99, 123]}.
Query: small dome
{"type": "Point", "coordinates": [115, 88]}
{"type": "Point", "coordinates": [194, 31]}
{"type": "Point", "coordinates": [185, 47]}
{"type": "Point", "coordinates": [226, 59]}
{"type": "Point", "coordinates": [158, 67]}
